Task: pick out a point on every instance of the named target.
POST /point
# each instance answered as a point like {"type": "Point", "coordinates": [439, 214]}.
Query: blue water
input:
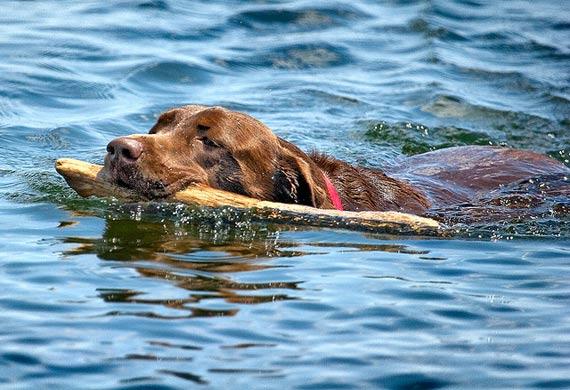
{"type": "Point", "coordinates": [98, 294]}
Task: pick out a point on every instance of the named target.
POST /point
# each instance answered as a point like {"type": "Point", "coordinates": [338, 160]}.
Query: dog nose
{"type": "Point", "coordinates": [126, 148]}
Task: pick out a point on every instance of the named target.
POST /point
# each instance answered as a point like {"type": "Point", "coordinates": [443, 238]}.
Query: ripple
{"type": "Point", "coordinates": [295, 57]}
{"type": "Point", "coordinates": [422, 294]}
{"type": "Point", "coordinates": [518, 81]}
{"type": "Point", "coordinates": [552, 384]}
{"type": "Point", "coordinates": [160, 5]}
{"type": "Point", "coordinates": [69, 49]}
{"type": "Point", "coordinates": [165, 75]}
{"type": "Point", "coordinates": [409, 381]}
{"type": "Point", "coordinates": [413, 324]}
{"type": "Point", "coordinates": [20, 358]}
{"type": "Point", "coordinates": [242, 371]}
{"type": "Point", "coordinates": [457, 314]}
{"type": "Point", "coordinates": [431, 31]}
{"type": "Point", "coordinates": [311, 307]}
{"type": "Point", "coordinates": [67, 88]}
{"type": "Point", "coordinates": [187, 376]}
{"type": "Point", "coordinates": [246, 334]}
{"type": "Point", "coordinates": [8, 109]}
{"type": "Point", "coordinates": [378, 312]}
{"type": "Point", "coordinates": [34, 307]}
{"type": "Point", "coordinates": [55, 138]}
{"type": "Point", "coordinates": [519, 43]}
{"type": "Point", "coordinates": [325, 384]}
{"type": "Point", "coordinates": [344, 361]}
{"type": "Point", "coordinates": [297, 19]}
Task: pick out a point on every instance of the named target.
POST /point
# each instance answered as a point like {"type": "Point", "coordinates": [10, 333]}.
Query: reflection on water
{"type": "Point", "coordinates": [203, 261]}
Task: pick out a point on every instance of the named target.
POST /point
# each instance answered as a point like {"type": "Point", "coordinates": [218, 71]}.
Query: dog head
{"type": "Point", "coordinates": [219, 148]}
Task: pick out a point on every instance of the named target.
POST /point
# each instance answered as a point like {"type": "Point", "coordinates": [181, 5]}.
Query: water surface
{"type": "Point", "coordinates": [98, 294]}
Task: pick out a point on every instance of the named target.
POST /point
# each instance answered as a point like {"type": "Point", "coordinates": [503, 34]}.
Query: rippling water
{"type": "Point", "coordinates": [98, 294]}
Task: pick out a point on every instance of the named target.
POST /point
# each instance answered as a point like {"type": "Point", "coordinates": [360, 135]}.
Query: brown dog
{"type": "Point", "coordinates": [232, 151]}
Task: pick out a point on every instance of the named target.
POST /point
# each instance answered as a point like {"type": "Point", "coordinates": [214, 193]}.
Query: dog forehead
{"type": "Point", "coordinates": [181, 112]}
{"type": "Point", "coordinates": [177, 114]}
{"type": "Point", "coordinates": [234, 125]}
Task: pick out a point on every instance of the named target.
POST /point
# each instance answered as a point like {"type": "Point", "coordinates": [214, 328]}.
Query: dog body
{"type": "Point", "coordinates": [233, 151]}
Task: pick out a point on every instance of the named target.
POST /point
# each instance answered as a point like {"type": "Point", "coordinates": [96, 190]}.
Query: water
{"type": "Point", "coordinates": [96, 294]}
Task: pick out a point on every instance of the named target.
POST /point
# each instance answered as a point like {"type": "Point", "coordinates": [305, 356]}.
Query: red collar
{"type": "Point", "coordinates": [333, 194]}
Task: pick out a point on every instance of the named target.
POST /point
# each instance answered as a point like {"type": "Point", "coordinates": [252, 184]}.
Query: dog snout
{"type": "Point", "coordinates": [125, 149]}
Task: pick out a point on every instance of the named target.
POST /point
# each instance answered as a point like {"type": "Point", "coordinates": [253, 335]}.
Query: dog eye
{"type": "Point", "coordinates": [208, 142]}
{"type": "Point", "coordinates": [202, 128]}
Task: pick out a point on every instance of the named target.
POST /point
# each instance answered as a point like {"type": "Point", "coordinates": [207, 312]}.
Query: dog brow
{"type": "Point", "coordinates": [164, 119]}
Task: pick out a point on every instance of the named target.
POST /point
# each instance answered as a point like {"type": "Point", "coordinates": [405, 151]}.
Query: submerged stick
{"type": "Point", "coordinates": [86, 179]}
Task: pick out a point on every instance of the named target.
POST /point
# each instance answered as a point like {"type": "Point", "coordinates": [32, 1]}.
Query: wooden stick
{"type": "Point", "coordinates": [86, 179]}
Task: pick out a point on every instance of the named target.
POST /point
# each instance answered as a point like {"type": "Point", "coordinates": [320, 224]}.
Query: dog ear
{"type": "Point", "coordinates": [297, 180]}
